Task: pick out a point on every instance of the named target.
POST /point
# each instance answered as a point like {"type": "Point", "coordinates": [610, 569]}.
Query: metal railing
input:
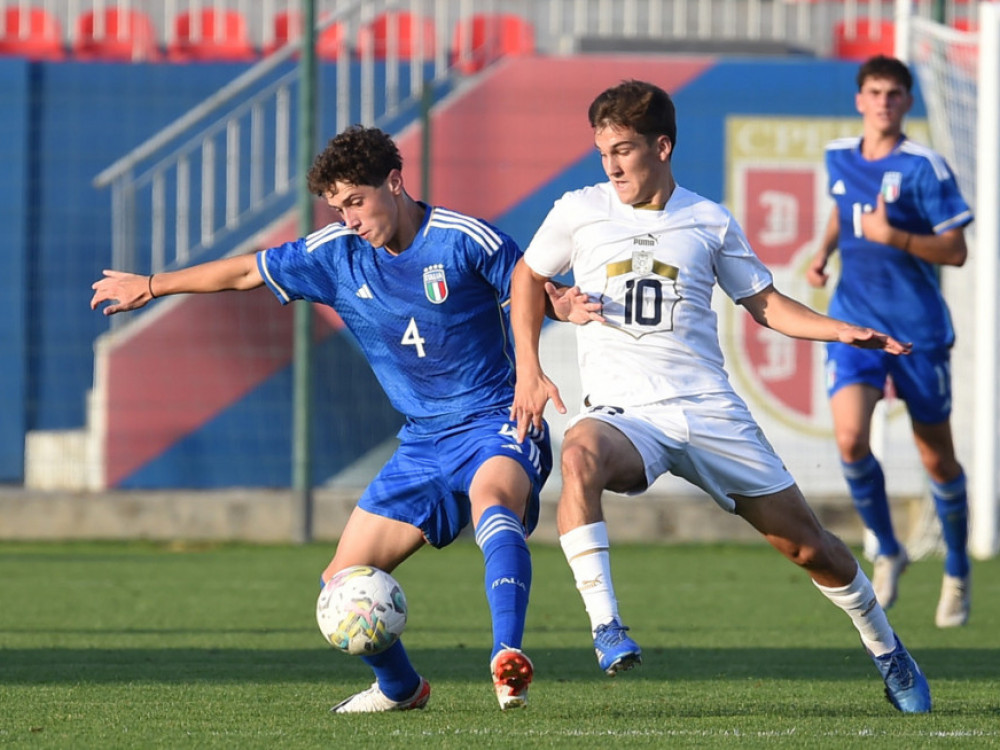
{"type": "Point", "coordinates": [194, 186]}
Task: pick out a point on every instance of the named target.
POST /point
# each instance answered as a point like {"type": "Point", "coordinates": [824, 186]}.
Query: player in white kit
{"type": "Point", "coordinates": [657, 398]}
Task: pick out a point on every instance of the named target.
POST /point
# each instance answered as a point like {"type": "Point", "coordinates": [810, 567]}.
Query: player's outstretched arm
{"type": "Point", "coordinates": [532, 389]}
{"type": "Point", "coordinates": [773, 309]}
{"type": "Point", "coordinates": [129, 291]}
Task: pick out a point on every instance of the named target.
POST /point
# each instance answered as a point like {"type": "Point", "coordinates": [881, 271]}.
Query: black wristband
{"type": "Point", "coordinates": [149, 283]}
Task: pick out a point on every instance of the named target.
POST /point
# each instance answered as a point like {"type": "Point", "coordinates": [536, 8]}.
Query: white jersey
{"type": "Point", "coordinates": [654, 273]}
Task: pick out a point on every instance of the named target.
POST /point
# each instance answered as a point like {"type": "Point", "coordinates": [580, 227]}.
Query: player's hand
{"type": "Point", "coordinates": [869, 338]}
{"type": "Point", "coordinates": [530, 396]}
{"type": "Point", "coordinates": [816, 273]}
{"type": "Point", "coordinates": [126, 291]}
{"type": "Point", "coordinates": [572, 305]}
{"type": "Point", "coordinates": [875, 224]}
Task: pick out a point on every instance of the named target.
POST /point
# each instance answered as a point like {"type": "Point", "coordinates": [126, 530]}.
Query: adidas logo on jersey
{"type": "Point", "coordinates": [838, 188]}
{"type": "Point", "coordinates": [364, 292]}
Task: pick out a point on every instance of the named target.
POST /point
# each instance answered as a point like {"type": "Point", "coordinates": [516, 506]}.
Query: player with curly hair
{"type": "Point", "coordinates": [425, 292]}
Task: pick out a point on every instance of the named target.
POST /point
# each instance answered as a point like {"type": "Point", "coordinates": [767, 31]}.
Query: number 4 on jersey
{"type": "Point", "coordinates": [411, 337]}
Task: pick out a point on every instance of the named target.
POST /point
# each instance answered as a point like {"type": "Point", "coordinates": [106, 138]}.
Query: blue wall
{"type": "Point", "coordinates": [62, 124]}
{"type": "Point", "coordinates": [14, 239]}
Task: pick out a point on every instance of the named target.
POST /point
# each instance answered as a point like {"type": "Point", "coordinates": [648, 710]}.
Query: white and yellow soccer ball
{"type": "Point", "coordinates": [361, 610]}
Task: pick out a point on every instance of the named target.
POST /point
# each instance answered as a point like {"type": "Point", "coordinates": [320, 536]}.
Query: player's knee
{"type": "Point", "coordinates": [809, 556]}
{"type": "Point", "coordinates": [807, 550]}
{"type": "Point", "coordinates": [580, 462]}
{"type": "Point", "coordinates": [852, 445]}
{"type": "Point", "coordinates": [940, 467]}
{"type": "Point", "coordinates": [825, 552]}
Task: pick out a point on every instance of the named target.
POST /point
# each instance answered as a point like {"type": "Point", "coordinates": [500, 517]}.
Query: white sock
{"type": "Point", "coordinates": [586, 550]}
{"type": "Point", "coordinates": [858, 600]}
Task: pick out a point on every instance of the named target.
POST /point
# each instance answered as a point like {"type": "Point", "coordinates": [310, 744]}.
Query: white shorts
{"type": "Point", "coordinates": [711, 441]}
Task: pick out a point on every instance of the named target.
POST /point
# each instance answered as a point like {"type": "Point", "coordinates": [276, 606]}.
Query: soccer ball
{"type": "Point", "coordinates": [361, 610]}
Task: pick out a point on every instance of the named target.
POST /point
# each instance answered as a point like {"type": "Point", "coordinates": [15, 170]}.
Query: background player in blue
{"type": "Point", "coordinates": [898, 214]}
{"type": "Point", "coordinates": [425, 292]}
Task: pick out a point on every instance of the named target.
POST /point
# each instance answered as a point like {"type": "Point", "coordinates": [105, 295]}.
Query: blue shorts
{"type": "Point", "coordinates": [922, 379]}
{"type": "Point", "coordinates": [426, 482]}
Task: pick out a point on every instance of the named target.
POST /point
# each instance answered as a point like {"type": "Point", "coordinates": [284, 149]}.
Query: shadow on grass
{"type": "Point", "coordinates": [40, 666]}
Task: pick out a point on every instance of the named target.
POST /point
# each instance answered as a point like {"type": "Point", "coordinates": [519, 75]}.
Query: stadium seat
{"type": "Point", "coordinates": [965, 24]}
{"type": "Point", "coordinates": [406, 29]}
{"type": "Point", "coordinates": [210, 35]}
{"type": "Point", "coordinates": [115, 34]}
{"type": "Point", "coordinates": [286, 27]}
{"type": "Point", "coordinates": [961, 55]}
{"type": "Point", "coordinates": [33, 33]}
{"type": "Point", "coordinates": [485, 38]}
{"type": "Point", "coordinates": [869, 38]}
{"type": "Point", "coordinates": [330, 42]}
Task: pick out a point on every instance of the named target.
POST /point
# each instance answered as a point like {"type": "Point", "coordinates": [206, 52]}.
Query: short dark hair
{"type": "Point", "coordinates": [644, 107]}
{"type": "Point", "coordinates": [357, 156]}
{"type": "Point", "coordinates": [883, 66]}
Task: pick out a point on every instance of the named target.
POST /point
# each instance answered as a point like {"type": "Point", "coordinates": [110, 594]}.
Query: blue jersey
{"type": "Point", "coordinates": [881, 286]}
{"type": "Point", "coordinates": [432, 321]}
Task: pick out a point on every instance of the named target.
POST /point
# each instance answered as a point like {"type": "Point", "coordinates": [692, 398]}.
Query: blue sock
{"type": "Point", "coordinates": [867, 485]}
{"type": "Point", "coordinates": [952, 506]}
{"type": "Point", "coordinates": [396, 676]}
{"type": "Point", "coordinates": [500, 536]}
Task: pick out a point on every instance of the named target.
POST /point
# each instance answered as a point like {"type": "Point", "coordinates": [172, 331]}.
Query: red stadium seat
{"type": "Point", "coordinates": [287, 27]}
{"type": "Point", "coordinates": [330, 42]}
{"type": "Point", "coordinates": [965, 24]}
{"type": "Point", "coordinates": [399, 31]}
{"type": "Point", "coordinates": [964, 56]}
{"type": "Point", "coordinates": [33, 33]}
{"type": "Point", "coordinates": [485, 38]}
{"type": "Point", "coordinates": [211, 34]}
{"type": "Point", "coordinates": [869, 38]}
{"type": "Point", "coordinates": [115, 34]}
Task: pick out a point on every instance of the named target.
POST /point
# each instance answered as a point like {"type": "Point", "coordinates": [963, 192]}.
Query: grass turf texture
{"type": "Point", "coordinates": [149, 646]}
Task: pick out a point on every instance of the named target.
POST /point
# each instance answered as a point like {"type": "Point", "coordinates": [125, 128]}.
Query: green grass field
{"type": "Point", "coordinates": [147, 646]}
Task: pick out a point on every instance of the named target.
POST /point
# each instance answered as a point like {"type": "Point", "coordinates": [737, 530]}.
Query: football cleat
{"type": "Point", "coordinates": [906, 687]}
{"type": "Point", "coordinates": [616, 652]}
{"type": "Point", "coordinates": [512, 672]}
{"type": "Point", "coordinates": [373, 700]}
{"type": "Point", "coordinates": [955, 602]}
{"type": "Point", "coordinates": [885, 579]}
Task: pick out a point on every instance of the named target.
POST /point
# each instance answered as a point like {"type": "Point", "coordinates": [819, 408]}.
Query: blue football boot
{"type": "Point", "coordinates": [616, 652]}
{"type": "Point", "coordinates": [905, 685]}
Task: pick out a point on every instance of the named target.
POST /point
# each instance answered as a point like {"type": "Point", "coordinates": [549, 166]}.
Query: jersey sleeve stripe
{"type": "Point", "coordinates": [956, 221]}
{"type": "Point", "coordinates": [327, 233]}
{"type": "Point", "coordinates": [262, 265]}
{"type": "Point", "coordinates": [479, 231]}
{"type": "Point", "coordinates": [937, 161]}
{"type": "Point", "coordinates": [841, 144]}
{"type": "Point", "coordinates": [471, 222]}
